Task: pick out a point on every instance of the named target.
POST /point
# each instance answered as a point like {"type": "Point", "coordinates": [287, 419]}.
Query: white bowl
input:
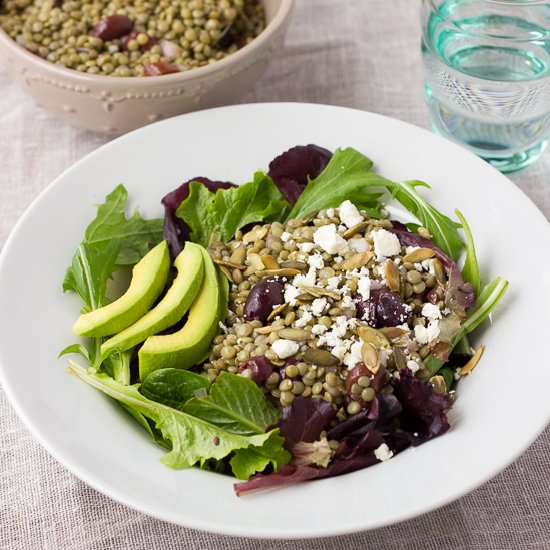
{"type": "Point", "coordinates": [500, 408]}
{"type": "Point", "coordinates": [115, 105]}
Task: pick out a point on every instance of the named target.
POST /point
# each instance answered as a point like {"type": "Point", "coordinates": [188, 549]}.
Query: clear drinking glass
{"type": "Point", "coordinates": [487, 82]}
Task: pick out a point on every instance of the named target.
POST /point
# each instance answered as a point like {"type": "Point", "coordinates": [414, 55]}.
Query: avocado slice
{"type": "Point", "coordinates": [170, 309]}
{"type": "Point", "coordinates": [149, 277]}
{"type": "Point", "coordinates": [188, 346]}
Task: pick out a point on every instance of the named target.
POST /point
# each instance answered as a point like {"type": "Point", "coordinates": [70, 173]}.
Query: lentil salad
{"type": "Point", "coordinates": [137, 38]}
{"type": "Point", "coordinates": [348, 330]}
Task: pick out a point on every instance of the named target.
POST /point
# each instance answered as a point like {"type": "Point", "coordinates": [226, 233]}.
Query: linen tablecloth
{"type": "Point", "coordinates": [355, 53]}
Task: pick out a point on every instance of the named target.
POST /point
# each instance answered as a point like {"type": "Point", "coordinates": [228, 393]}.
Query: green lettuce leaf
{"type": "Point", "coordinates": [444, 231]}
{"type": "Point", "coordinates": [470, 271]}
{"type": "Point", "coordinates": [346, 176]}
{"type": "Point", "coordinates": [89, 272]}
{"type": "Point", "coordinates": [246, 462]}
{"type": "Point", "coordinates": [235, 404]}
{"type": "Point", "coordinates": [173, 387]}
{"type": "Point", "coordinates": [218, 216]}
{"type": "Point", "coordinates": [135, 234]}
{"type": "Point", "coordinates": [193, 440]}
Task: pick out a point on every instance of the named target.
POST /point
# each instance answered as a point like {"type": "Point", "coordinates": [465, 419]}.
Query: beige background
{"type": "Point", "coordinates": [356, 53]}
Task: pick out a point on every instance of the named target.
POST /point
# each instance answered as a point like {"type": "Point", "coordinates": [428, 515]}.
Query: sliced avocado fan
{"type": "Point", "coordinates": [149, 277]}
{"type": "Point", "coordinates": [188, 346]}
{"type": "Point", "coordinates": [172, 307]}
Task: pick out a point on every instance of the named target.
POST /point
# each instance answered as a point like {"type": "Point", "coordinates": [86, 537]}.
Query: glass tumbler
{"type": "Point", "coordinates": [487, 66]}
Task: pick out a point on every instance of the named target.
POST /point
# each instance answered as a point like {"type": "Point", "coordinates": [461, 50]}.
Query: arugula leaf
{"type": "Point", "coordinates": [470, 271]}
{"type": "Point", "coordinates": [345, 176]}
{"type": "Point", "coordinates": [193, 439]}
{"type": "Point", "coordinates": [246, 462]}
{"type": "Point", "coordinates": [443, 230]}
{"type": "Point", "coordinates": [136, 235]}
{"type": "Point", "coordinates": [89, 272]}
{"type": "Point", "coordinates": [486, 302]}
{"type": "Point", "coordinates": [218, 216]}
{"type": "Point", "coordinates": [235, 404]}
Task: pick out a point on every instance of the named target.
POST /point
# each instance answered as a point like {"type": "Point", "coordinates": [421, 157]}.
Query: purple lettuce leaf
{"type": "Point", "coordinates": [175, 230]}
{"type": "Point", "coordinates": [424, 411]}
{"type": "Point", "coordinates": [292, 170]}
{"type": "Point", "coordinates": [289, 474]}
{"type": "Point", "coordinates": [305, 419]}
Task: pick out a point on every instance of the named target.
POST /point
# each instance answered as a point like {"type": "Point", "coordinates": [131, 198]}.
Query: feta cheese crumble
{"type": "Point", "coordinates": [431, 311]}
{"type": "Point", "coordinates": [358, 244]}
{"type": "Point", "coordinates": [285, 348]}
{"type": "Point", "coordinates": [413, 365]}
{"type": "Point", "coordinates": [291, 293]}
{"type": "Point", "coordinates": [386, 244]}
{"type": "Point", "coordinates": [318, 306]}
{"type": "Point", "coordinates": [349, 214]}
{"type": "Point", "coordinates": [383, 453]}
{"type": "Point", "coordinates": [328, 239]}
{"type": "Point", "coordinates": [285, 237]}
{"type": "Point", "coordinates": [363, 287]}
{"type": "Point", "coordinates": [316, 261]}
{"type": "Point", "coordinates": [425, 335]}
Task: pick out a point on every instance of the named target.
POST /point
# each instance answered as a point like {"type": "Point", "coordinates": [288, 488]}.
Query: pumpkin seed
{"type": "Point", "coordinates": [276, 311]}
{"type": "Point", "coordinates": [356, 229]}
{"type": "Point", "coordinates": [256, 234]}
{"type": "Point", "coordinates": [296, 334]}
{"type": "Point", "coordinates": [227, 273]}
{"type": "Point", "coordinates": [321, 358]}
{"type": "Point", "coordinates": [375, 337]}
{"type": "Point", "coordinates": [255, 260]}
{"type": "Point", "coordinates": [393, 277]}
{"type": "Point", "coordinates": [399, 358]}
{"type": "Point", "coordinates": [423, 232]}
{"type": "Point", "coordinates": [357, 260]}
{"type": "Point", "coordinates": [270, 262]}
{"type": "Point", "coordinates": [393, 332]}
{"type": "Point", "coordinates": [267, 330]}
{"type": "Point", "coordinates": [309, 216]}
{"type": "Point", "coordinates": [438, 383]}
{"type": "Point", "coordinates": [370, 357]}
{"type": "Point", "coordinates": [229, 264]}
{"type": "Point", "coordinates": [470, 365]}
{"type": "Point", "coordinates": [294, 264]}
{"type": "Point", "coordinates": [383, 223]}
{"type": "Point", "coordinates": [320, 292]}
{"type": "Point", "coordinates": [419, 255]}
{"type": "Point", "coordinates": [238, 255]}
{"type": "Point", "coordinates": [440, 273]}
{"type": "Point", "coordinates": [281, 272]}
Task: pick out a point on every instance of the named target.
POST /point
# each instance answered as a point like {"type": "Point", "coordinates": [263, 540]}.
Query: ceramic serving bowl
{"type": "Point", "coordinates": [115, 105]}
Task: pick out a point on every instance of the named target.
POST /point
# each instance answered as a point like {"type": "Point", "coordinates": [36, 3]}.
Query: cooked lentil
{"type": "Point", "coordinates": [135, 37]}
{"type": "Point", "coordinates": [322, 291]}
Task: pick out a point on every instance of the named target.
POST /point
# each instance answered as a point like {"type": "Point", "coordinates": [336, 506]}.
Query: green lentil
{"type": "Point", "coordinates": [193, 27]}
{"type": "Point", "coordinates": [292, 371]}
{"type": "Point", "coordinates": [368, 394]}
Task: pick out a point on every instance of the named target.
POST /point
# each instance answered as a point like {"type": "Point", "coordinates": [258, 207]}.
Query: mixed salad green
{"type": "Point", "coordinates": [229, 425]}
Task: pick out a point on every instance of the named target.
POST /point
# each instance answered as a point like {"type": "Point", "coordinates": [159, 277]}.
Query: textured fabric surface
{"type": "Point", "coordinates": [356, 53]}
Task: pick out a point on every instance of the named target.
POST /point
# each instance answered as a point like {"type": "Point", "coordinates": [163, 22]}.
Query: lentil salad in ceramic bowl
{"type": "Point", "coordinates": [311, 336]}
{"type": "Point", "coordinates": [92, 63]}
